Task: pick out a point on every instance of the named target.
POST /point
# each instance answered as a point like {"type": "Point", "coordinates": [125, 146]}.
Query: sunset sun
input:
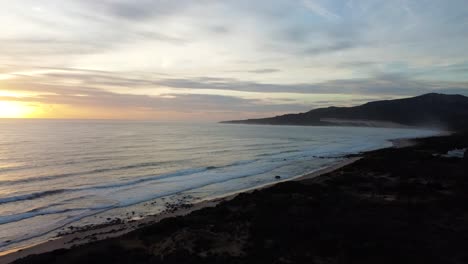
{"type": "Point", "coordinates": [14, 110]}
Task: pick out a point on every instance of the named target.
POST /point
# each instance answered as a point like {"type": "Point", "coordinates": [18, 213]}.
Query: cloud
{"type": "Point", "coordinates": [339, 46]}
{"type": "Point", "coordinates": [381, 83]}
{"type": "Point", "coordinates": [83, 97]}
{"type": "Point", "coordinates": [208, 97]}
{"type": "Point", "coordinates": [143, 9]}
{"type": "Point", "coordinates": [262, 71]}
{"type": "Point", "coordinates": [320, 10]}
{"type": "Point", "coordinates": [232, 54]}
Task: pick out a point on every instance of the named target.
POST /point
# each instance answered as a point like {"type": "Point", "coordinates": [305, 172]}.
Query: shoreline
{"type": "Point", "coordinates": [409, 142]}
{"type": "Point", "coordinates": [99, 232]}
{"type": "Point", "coordinates": [353, 209]}
{"type": "Point", "coordinates": [113, 230]}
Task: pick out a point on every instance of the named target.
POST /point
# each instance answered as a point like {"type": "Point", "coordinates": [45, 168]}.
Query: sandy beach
{"type": "Point", "coordinates": [120, 227]}
{"type": "Point", "coordinates": [104, 231]}
{"type": "Point", "coordinates": [329, 176]}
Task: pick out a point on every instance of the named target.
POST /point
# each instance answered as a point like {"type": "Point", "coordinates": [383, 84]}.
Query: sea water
{"type": "Point", "coordinates": [57, 173]}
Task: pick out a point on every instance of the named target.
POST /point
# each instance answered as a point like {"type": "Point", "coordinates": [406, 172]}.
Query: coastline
{"type": "Point", "coordinates": [101, 232]}
{"type": "Point", "coordinates": [114, 230]}
{"type": "Point", "coordinates": [390, 206]}
{"type": "Point", "coordinates": [409, 142]}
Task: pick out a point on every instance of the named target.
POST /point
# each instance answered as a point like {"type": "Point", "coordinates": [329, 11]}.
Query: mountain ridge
{"type": "Point", "coordinates": [430, 110]}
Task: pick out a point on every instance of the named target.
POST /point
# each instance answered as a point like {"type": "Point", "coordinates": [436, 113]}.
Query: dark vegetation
{"type": "Point", "coordinates": [429, 110]}
{"type": "Point", "coordinates": [393, 206]}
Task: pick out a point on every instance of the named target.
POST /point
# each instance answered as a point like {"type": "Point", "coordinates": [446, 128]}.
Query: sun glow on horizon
{"type": "Point", "coordinates": [9, 109]}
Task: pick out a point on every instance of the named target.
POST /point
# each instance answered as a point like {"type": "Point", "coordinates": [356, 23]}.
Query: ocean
{"type": "Point", "coordinates": [58, 173]}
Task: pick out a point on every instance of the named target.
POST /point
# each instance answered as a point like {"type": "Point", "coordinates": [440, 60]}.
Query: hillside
{"type": "Point", "coordinates": [429, 110]}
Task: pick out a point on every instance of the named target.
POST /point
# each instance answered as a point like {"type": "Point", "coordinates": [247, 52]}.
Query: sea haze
{"type": "Point", "coordinates": [54, 174]}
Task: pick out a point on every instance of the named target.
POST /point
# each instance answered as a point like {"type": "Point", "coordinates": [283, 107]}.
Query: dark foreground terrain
{"type": "Point", "coordinates": [405, 205]}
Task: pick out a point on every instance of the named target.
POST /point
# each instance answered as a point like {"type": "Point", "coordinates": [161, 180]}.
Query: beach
{"type": "Point", "coordinates": [234, 132]}
{"type": "Point", "coordinates": [82, 176]}
{"type": "Point", "coordinates": [119, 227]}
{"type": "Point", "coordinates": [232, 228]}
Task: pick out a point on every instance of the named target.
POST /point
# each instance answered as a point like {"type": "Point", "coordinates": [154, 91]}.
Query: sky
{"type": "Point", "coordinates": [214, 60]}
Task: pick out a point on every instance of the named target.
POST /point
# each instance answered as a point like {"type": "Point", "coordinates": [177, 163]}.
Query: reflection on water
{"type": "Point", "coordinates": [53, 173]}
